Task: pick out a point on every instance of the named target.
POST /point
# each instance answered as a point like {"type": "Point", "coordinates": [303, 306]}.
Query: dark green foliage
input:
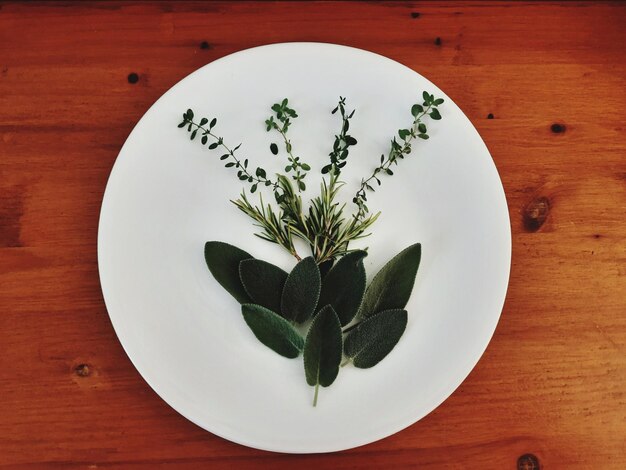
{"type": "Point", "coordinates": [272, 330]}
{"type": "Point", "coordinates": [263, 282]}
{"type": "Point", "coordinates": [375, 337]}
{"type": "Point", "coordinates": [392, 286]}
{"type": "Point", "coordinates": [398, 150]}
{"type": "Point", "coordinates": [323, 350]}
{"type": "Point", "coordinates": [344, 286]}
{"type": "Point", "coordinates": [223, 262]}
{"type": "Point", "coordinates": [301, 291]}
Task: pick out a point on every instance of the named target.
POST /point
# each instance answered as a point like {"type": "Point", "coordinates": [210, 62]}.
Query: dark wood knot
{"type": "Point", "coordinates": [133, 78]}
{"type": "Point", "coordinates": [490, 116]}
{"type": "Point", "coordinates": [415, 14]}
{"type": "Point", "coordinates": [557, 128]}
{"type": "Point", "coordinates": [437, 41]}
{"type": "Point", "coordinates": [205, 45]}
{"type": "Point", "coordinates": [82, 370]}
{"type": "Point", "coordinates": [528, 462]}
{"type": "Point", "coordinates": [536, 213]}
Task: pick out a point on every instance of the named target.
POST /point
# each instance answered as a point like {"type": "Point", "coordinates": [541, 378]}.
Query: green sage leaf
{"type": "Point", "coordinates": [273, 330]}
{"type": "Point", "coordinates": [392, 286]}
{"type": "Point", "coordinates": [374, 338]}
{"type": "Point", "coordinates": [322, 350]}
{"type": "Point", "coordinates": [223, 261]}
{"type": "Point", "coordinates": [344, 286]}
{"type": "Point", "coordinates": [263, 282]}
{"type": "Point", "coordinates": [301, 291]}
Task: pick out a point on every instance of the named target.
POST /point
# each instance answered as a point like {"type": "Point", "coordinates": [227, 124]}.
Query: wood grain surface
{"type": "Point", "coordinates": [544, 84]}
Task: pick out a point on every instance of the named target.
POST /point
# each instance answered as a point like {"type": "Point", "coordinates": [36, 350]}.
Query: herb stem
{"type": "Point", "coordinates": [317, 387]}
{"type": "Point", "coordinates": [231, 153]}
{"type": "Point", "coordinates": [384, 167]}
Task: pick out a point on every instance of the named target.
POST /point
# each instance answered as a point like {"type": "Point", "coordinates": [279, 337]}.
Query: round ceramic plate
{"type": "Point", "coordinates": [167, 196]}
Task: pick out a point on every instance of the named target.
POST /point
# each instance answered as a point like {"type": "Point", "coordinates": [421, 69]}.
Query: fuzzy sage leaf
{"type": "Point", "coordinates": [263, 282]}
{"type": "Point", "coordinates": [223, 261]}
{"type": "Point", "coordinates": [301, 291]}
{"type": "Point", "coordinates": [392, 286]}
{"type": "Point", "coordinates": [371, 341]}
{"type": "Point", "coordinates": [344, 286]}
{"type": "Point", "coordinates": [322, 350]}
{"type": "Point", "coordinates": [272, 330]}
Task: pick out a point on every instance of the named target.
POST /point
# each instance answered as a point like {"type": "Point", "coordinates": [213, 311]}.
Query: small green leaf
{"type": "Point", "coordinates": [189, 114]}
{"type": "Point", "coordinates": [213, 122]}
{"type": "Point", "coordinates": [213, 146]}
{"type": "Point", "coordinates": [223, 261]}
{"type": "Point", "coordinates": [434, 114]}
{"type": "Point", "coordinates": [272, 330]}
{"type": "Point", "coordinates": [301, 291]}
{"type": "Point", "coordinates": [224, 157]}
{"type": "Point", "coordinates": [253, 188]}
{"type": "Point", "coordinates": [274, 149]}
{"type": "Point", "coordinates": [260, 172]}
{"type": "Point", "coordinates": [193, 134]}
{"type": "Point", "coordinates": [421, 127]}
{"type": "Point", "coordinates": [388, 171]}
{"type": "Point", "coordinates": [416, 109]}
{"type": "Point", "coordinates": [344, 286]}
{"type": "Point", "coordinates": [404, 133]}
{"type": "Point", "coordinates": [230, 165]}
{"type": "Point", "coordinates": [371, 341]}
{"type": "Point", "coordinates": [438, 101]}
{"type": "Point", "coordinates": [204, 139]}
{"type": "Point", "coordinates": [182, 124]}
{"type": "Point", "coordinates": [426, 96]}
{"type": "Point", "coordinates": [263, 282]}
{"type": "Point", "coordinates": [203, 121]}
{"type": "Point", "coordinates": [301, 185]}
{"type": "Point", "coordinates": [392, 286]}
{"type": "Point", "coordinates": [423, 136]}
{"type": "Point", "coordinates": [322, 350]}
{"type": "Point", "coordinates": [350, 140]}
{"type": "Point", "coordinates": [305, 167]}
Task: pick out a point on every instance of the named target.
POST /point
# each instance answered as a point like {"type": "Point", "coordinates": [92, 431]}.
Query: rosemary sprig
{"type": "Point", "coordinates": [398, 150]}
{"type": "Point", "coordinates": [274, 229]}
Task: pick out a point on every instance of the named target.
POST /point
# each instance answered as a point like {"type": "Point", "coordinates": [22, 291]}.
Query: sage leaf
{"type": "Point", "coordinates": [273, 330]}
{"type": "Point", "coordinates": [301, 291]}
{"type": "Point", "coordinates": [344, 285]}
{"type": "Point", "coordinates": [223, 261]}
{"type": "Point", "coordinates": [322, 350]}
{"type": "Point", "coordinates": [374, 338]}
{"type": "Point", "coordinates": [324, 267]}
{"type": "Point", "coordinates": [392, 286]}
{"type": "Point", "coordinates": [263, 282]}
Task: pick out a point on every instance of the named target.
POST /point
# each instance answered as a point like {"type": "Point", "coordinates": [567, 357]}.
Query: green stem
{"type": "Point", "coordinates": [240, 166]}
{"type": "Point", "coordinates": [317, 386]}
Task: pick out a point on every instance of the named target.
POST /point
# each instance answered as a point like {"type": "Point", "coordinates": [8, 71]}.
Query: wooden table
{"type": "Point", "coordinates": [545, 85]}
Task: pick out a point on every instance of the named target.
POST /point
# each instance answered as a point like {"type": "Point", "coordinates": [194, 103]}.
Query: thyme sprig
{"type": "Point", "coordinates": [284, 114]}
{"type": "Point", "coordinates": [398, 150]}
{"type": "Point", "coordinates": [260, 175]}
{"type": "Point", "coordinates": [342, 142]}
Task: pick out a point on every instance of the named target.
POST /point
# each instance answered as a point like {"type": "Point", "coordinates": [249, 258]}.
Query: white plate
{"type": "Point", "coordinates": [166, 196]}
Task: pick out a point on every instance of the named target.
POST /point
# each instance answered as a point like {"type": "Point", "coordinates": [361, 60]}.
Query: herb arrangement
{"type": "Point", "coordinates": [323, 309]}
